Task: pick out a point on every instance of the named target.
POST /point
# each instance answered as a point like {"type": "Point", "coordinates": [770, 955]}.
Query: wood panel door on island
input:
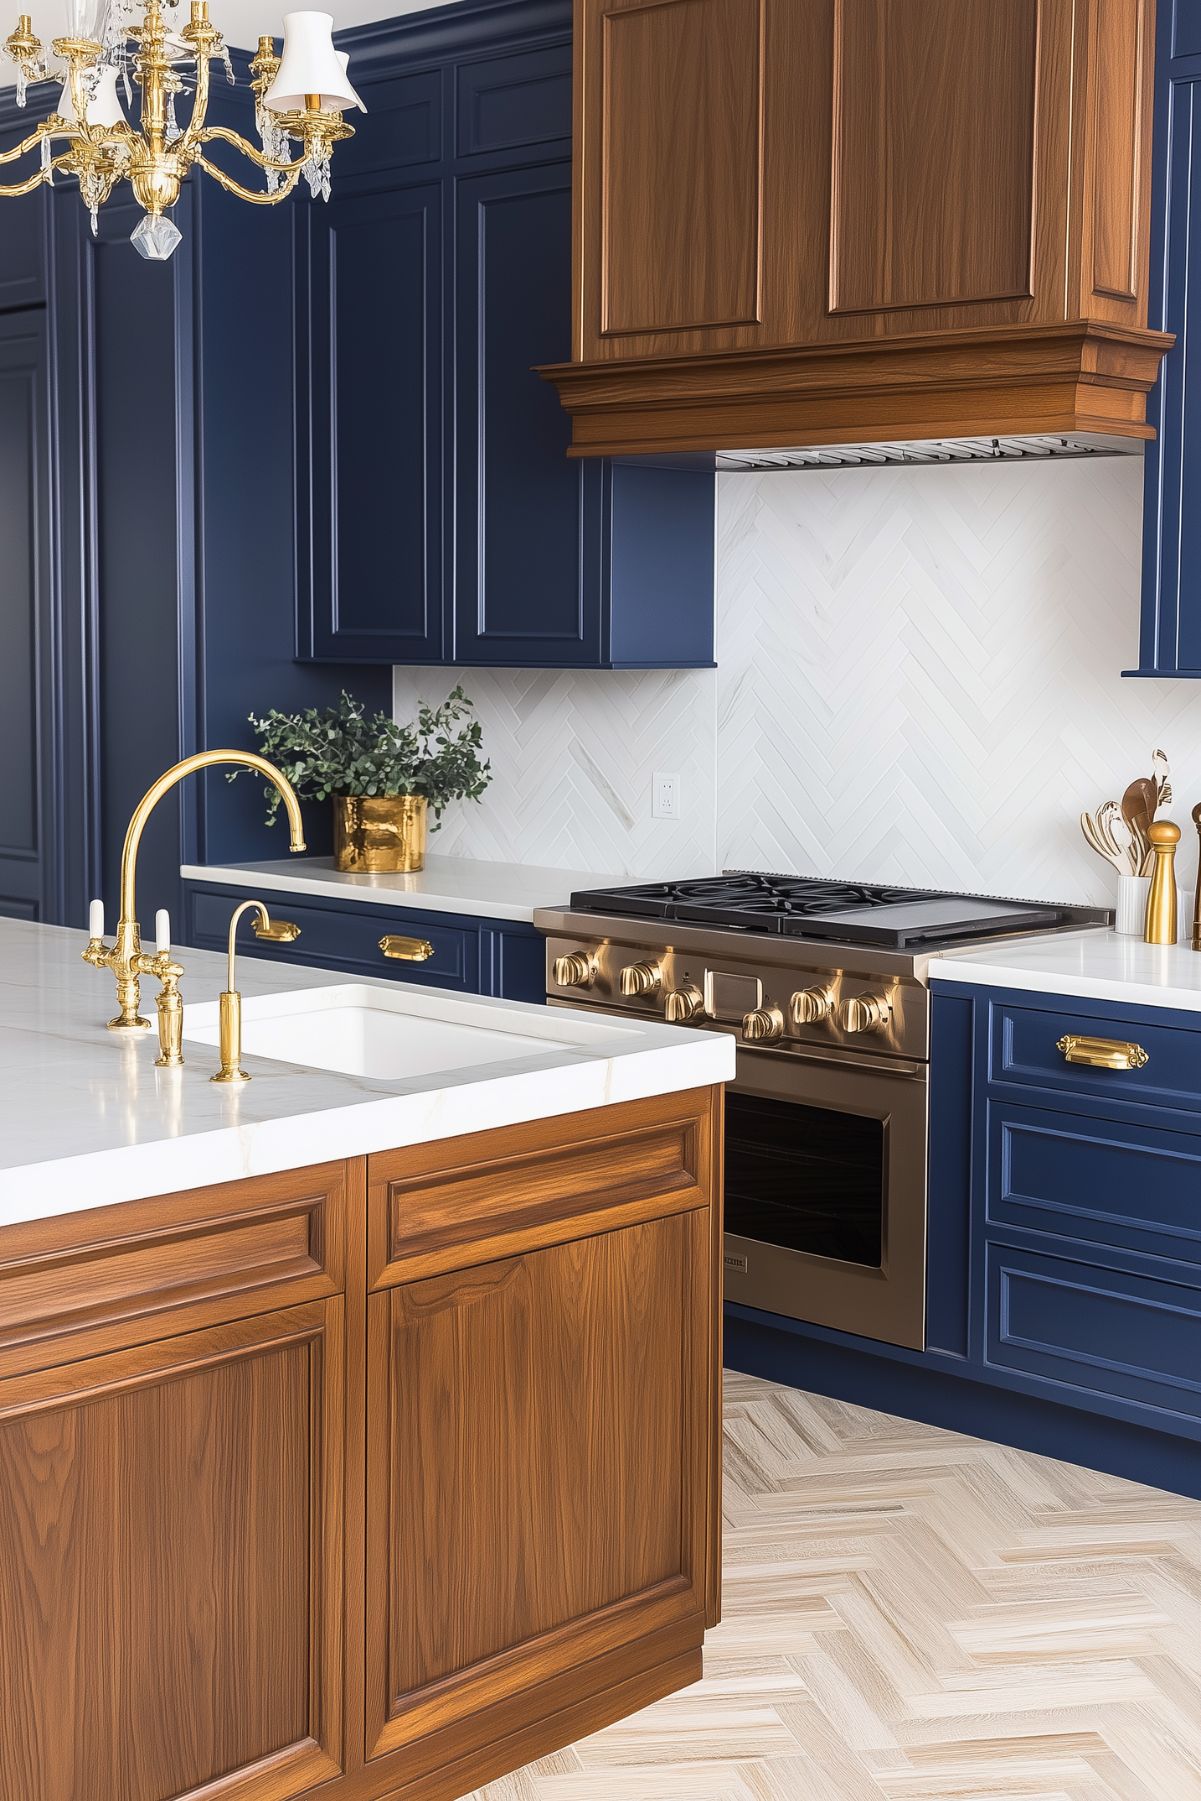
{"type": "Point", "coordinates": [760, 173]}
{"type": "Point", "coordinates": [170, 1567]}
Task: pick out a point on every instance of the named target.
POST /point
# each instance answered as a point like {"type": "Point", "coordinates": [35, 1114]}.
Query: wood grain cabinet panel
{"type": "Point", "coordinates": [934, 153]}
{"type": "Point", "coordinates": [170, 1546]}
{"type": "Point", "coordinates": [681, 121]}
{"type": "Point", "coordinates": [536, 1491]}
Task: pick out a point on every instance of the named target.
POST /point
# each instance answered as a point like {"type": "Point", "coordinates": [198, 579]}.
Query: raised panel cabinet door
{"type": "Point", "coordinates": [522, 508]}
{"type": "Point", "coordinates": [371, 520]}
{"type": "Point", "coordinates": [170, 1567]}
{"type": "Point", "coordinates": [670, 172]}
{"type": "Point", "coordinates": [537, 1489]}
{"type": "Point", "coordinates": [27, 850]}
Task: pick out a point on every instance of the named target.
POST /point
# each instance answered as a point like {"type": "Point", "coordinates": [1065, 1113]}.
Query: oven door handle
{"type": "Point", "coordinates": [861, 1062]}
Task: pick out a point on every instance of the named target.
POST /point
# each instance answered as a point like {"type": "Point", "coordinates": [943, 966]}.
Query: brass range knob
{"type": "Point", "coordinates": [576, 970]}
{"type": "Point", "coordinates": [865, 1013]}
{"type": "Point", "coordinates": [763, 1025]}
{"type": "Point", "coordinates": [810, 1006]}
{"type": "Point", "coordinates": [640, 978]}
{"type": "Point", "coordinates": [683, 1004]}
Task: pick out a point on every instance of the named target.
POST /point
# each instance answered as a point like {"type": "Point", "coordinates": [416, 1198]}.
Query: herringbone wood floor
{"type": "Point", "coordinates": [915, 1616]}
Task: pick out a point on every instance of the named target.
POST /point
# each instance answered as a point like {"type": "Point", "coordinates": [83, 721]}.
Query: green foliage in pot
{"type": "Point", "coordinates": [344, 750]}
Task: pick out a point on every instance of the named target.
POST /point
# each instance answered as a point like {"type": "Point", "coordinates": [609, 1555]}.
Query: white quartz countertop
{"type": "Point", "coordinates": [445, 885]}
{"type": "Point", "coordinates": [86, 1119]}
{"type": "Point", "coordinates": [1097, 965]}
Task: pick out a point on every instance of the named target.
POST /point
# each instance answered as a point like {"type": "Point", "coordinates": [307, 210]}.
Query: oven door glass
{"type": "Point", "coordinates": [806, 1178]}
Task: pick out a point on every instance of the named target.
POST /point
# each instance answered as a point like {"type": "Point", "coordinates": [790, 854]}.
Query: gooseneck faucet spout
{"type": "Point", "coordinates": [126, 958]}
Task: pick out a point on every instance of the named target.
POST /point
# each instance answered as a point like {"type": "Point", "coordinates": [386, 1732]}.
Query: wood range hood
{"type": "Point", "coordinates": [861, 224]}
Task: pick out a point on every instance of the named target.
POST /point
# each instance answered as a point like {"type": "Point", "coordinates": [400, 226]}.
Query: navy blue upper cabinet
{"type": "Point", "coordinates": [1171, 622]}
{"type": "Point", "coordinates": [445, 519]}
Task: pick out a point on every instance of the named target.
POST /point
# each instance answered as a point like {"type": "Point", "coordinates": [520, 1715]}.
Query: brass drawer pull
{"type": "Point", "coordinates": [1102, 1053]}
{"type": "Point", "coordinates": [407, 950]}
{"type": "Point", "coordinates": [279, 931]}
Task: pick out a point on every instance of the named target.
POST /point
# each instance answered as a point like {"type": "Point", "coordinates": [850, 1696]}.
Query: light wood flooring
{"type": "Point", "coordinates": [915, 1616]}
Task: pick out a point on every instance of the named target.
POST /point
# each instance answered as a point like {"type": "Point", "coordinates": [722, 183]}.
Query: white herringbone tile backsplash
{"type": "Point", "coordinates": [918, 681]}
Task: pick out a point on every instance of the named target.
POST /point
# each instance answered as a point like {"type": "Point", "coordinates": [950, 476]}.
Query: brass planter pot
{"type": "Point", "coordinates": [380, 834]}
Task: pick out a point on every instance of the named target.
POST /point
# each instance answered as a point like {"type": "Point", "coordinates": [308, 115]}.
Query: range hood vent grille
{"type": "Point", "coordinates": [926, 451]}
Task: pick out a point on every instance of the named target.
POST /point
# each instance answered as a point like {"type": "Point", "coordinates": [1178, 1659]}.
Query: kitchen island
{"type": "Point", "coordinates": [358, 1432]}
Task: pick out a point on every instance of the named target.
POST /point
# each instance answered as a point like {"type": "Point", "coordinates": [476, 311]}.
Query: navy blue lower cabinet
{"type": "Point", "coordinates": [1064, 1245]}
{"type": "Point", "coordinates": [1170, 642]}
{"type": "Point", "coordinates": [446, 522]}
{"type": "Point", "coordinates": [474, 956]}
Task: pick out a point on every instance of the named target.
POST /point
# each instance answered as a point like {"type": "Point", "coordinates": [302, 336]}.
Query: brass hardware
{"type": "Point", "coordinates": [640, 978]}
{"type": "Point", "coordinates": [275, 931]}
{"type": "Point", "coordinates": [683, 1004]}
{"type": "Point", "coordinates": [229, 1004]}
{"type": "Point", "coordinates": [125, 957]}
{"type": "Point", "coordinates": [1161, 900]}
{"type": "Point", "coordinates": [865, 1013]}
{"type": "Point", "coordinates": [576, 970]}
{"type": "Point", "coordinates": [169, 1002]}
{"type": "Point", "coordinates": [1102, 1053]}
{"type": "Point", "coordinates": [812, 1005]}
{"type": "Point", "coordinates": [763, 1025]}
{"type": "Point", "coordinates": [156, 158]}
{"type": "Point", "coordinates": [381, 833]}
{"type": "Point", "coordinates": [406, 950]}
{"type": "Point", "coordinates": [1197, 895]}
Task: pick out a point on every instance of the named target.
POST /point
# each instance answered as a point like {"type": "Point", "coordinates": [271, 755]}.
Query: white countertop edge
{"type": "Point", "coordinates": [391, 1122]}
{"type": "Point", "coordinates": [465, 885]}
{"type": "Point", "coordinates": [1100, 966]}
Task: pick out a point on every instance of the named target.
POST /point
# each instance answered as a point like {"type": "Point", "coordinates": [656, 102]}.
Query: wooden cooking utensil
{"type": "Point", "coordinates": [1138, 810]}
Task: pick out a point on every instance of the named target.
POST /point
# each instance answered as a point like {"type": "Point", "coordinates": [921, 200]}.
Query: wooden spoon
{"type": "Point", "coordinates": [1138, 810]}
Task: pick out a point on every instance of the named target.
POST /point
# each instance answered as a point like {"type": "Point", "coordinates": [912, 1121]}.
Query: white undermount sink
{"type": "Point", "coordinates": [391, 1034]}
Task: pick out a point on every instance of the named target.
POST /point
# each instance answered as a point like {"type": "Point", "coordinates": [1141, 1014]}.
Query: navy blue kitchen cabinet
{"type": "Point", "coordinates": [1064, 1245]}
{"type": "Point", "coordinates": [1170, 642]}
{"type": "Point", "coordinates": [442, 521]}
{"type": "Point", "coordinates": [472, 955]}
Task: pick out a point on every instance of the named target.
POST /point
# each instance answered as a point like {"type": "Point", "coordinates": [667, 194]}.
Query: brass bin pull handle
{"type": "Point", "coordinates": [406, 950]}
{"type": "Point", "coordinates": [277, 931]}
{"type": "Point", "coordinates": [1102, 1053]}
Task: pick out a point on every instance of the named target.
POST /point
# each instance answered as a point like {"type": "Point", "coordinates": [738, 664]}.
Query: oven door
{"type": "Point", "coordinates": [826, 1191]}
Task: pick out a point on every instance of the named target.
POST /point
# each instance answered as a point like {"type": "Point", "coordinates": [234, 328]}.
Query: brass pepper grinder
{"type": "Point", "coordinates": [1197, 896]}
{"type": "Point", "coordinates": [1161, 901]}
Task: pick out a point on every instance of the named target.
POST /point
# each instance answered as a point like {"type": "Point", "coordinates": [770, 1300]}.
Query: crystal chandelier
{"type": "Point", "coordinates": [115, 46]}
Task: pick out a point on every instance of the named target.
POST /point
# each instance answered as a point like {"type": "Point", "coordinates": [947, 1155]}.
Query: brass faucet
{"type": "Point", "coordinates": [126, 958]}
{"type": "Point", "coordinates": [230, 1004]}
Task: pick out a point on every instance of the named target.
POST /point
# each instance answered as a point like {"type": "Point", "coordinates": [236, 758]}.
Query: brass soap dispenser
{"type": "Point", "coordinates": [1160, 926]}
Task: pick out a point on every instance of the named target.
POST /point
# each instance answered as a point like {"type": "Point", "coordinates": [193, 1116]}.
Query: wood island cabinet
{"type": "Point", "coordinates": [376, 1479]}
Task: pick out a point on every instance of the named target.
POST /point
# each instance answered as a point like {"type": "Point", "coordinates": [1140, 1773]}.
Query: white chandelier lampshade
{"type": "Point", "coordinates": [311, 66]}
{"type": "Point", "coordinates": [104, 106]}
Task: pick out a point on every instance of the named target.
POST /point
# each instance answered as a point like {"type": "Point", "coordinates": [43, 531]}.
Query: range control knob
{"type": "Point", "coordinates": [865, 1013]}
{"type": "Point", "coordinates": [683, 1004]}
{"type": "Point", "coordinates": [640, 978]}
{"type": "Point", "coordinates": [763, 1025]}
{"type": "Point", "coordinates": [810, 1006]}
{"type": "Point", "coordinates": [577, 970]}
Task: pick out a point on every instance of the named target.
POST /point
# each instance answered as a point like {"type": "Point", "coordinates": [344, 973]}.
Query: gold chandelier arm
{"type": "Point", "coordinates": [258, 157]}
{"type": "Point", "coordinates": [290, 178]}
{"type": "Point", "coordinates": [196, 133]}
{"type": "Point", "coordinates": [25, 187]}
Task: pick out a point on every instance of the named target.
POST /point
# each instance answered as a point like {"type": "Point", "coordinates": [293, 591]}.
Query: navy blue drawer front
{"type": "Point", "coordinates": [343, 938]}
{"type": "Point", "coordinates": [1094, 1181]}
{"type": "Point", "coordinates": [1132, 1338]}
{"type": "Point", "coordinates": [1024, 1048]}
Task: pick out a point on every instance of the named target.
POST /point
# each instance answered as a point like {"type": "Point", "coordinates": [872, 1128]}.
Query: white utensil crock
{"type": "Point", "coordinates": [1132, 904]}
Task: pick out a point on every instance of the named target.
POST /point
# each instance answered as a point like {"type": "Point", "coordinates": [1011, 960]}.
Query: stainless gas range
{"type": "Point", "coordinates": [823, 984]}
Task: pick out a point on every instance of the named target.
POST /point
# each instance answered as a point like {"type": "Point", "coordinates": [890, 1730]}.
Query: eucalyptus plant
{"type": "Point", "coordinates": [346, 751]}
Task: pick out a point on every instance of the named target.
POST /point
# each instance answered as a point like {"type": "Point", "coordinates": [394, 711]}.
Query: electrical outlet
{"type": "Point", "coordinates": [665, 796]}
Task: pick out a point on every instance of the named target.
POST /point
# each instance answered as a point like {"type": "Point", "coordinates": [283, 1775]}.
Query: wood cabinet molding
{"type": "Point", "coordinates": [1085, 376]}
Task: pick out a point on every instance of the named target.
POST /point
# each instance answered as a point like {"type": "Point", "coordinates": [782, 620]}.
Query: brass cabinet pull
{"type": "Point", "coordinates": [1102, 1053]}
{"type": "Point", "coordinates": [277, 931]}
{"type": "Point", "coordinates": [406, 950]}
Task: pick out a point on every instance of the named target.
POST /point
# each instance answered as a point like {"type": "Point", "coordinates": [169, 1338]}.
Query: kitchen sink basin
{"type": "Point", "coordinates": [391, 1034]}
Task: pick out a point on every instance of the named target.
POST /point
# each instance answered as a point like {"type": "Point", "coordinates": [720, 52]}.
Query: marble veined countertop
{"type": "Point", "coordinates": [86, 1119]}
{"type": "Point", "coordinates": [1100, 966]}
{"type": "Point", "coordinates": [445, 885]}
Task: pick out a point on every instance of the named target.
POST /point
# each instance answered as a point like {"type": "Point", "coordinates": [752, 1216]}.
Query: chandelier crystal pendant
{"type": "Point", "coordinates": [115, 46]}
